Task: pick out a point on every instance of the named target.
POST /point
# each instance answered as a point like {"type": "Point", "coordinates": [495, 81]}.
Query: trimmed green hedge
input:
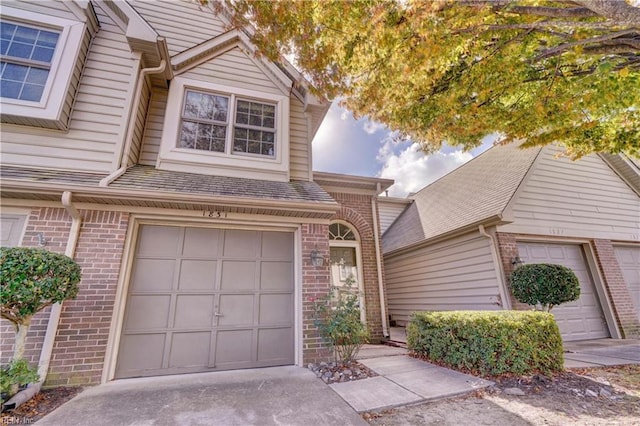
{"type": "Point", "coordinates": [488, 342]}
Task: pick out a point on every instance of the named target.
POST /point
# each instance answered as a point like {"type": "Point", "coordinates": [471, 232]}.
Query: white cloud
{"type": "Point", "coordinates": [372, 127]}
{"type": "Point", "coordinates": [412, 169]}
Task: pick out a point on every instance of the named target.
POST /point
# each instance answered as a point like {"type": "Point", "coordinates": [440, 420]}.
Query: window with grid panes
{"type": "Point", "coordinates": [209, 124]}
{"type": "Point", "coordinates": [26, 53]}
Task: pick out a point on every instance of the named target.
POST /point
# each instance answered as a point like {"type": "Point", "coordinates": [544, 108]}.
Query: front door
{"type": "Point", "coordinates": [345, 277]}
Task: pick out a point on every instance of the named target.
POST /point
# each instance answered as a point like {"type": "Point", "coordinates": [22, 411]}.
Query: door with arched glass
{"type": "Point", "coordinates": [345, 262]}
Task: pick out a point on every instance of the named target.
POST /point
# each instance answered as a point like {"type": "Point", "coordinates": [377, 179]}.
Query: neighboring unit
{"type": "Point", "coordinates": [149, 142]}
{"type": "Point", "coordinates": [456, 244]}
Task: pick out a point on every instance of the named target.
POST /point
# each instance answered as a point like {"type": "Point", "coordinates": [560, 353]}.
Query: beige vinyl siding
{"type": "Point", "coordinates": [139, 125]}
{"type": "Point", "coordinates": [582, 198]}
{"type": "Point", "coordinates": [236, 69]}
{"type": "Point", "coordinates": [52, 8]}
{"type": "Point", "coordinates": [153, 128]}
{"type": "Point", "coordinates": [97, 115]}
{"type": "Point", "coordinates": [456, 274]}
{"type": "Point", "coordinates": [388, 212]}
{"type": "Point", "coordinates": [300, 144]}
{"type": "Point", "coordinates": [191, 23]}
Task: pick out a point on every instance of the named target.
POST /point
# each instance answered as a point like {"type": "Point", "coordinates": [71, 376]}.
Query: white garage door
{"type": "Point", "coordinates": [582, 319]}
{"type": "Point", "coordinates": [629, 261]}
{"type": "Point", "coordinates": [208, 299]}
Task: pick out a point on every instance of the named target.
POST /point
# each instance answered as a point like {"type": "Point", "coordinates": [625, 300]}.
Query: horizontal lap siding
{"type": "Point", "coordinates": [141, 116]}
{"type": "Point", "coordinates": [53, 8]}
{"type": "Point", "coordinates": [388, 212]}
{"type": "Point", "coordinates": [300, 145]}
{"type": "Point", "coordinates": [234, 68]}
{"type": "Point", "coordinates": [191, 23]}
{"type": "Point", "coordinates": [97, 116]}
{"type": "Point", "coordinates": [457, 274]}
{"type": "Point", "coordinates": [153, 127]}
{"type": "Point", "coordinates": [583, 198]}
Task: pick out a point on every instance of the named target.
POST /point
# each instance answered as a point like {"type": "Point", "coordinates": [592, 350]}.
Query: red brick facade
{"type": "Point", "coordinates": [613, 281]}
{"type": "Point", "coordinates": [356, 210]}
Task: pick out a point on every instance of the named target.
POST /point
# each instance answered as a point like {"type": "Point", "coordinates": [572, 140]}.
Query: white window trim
{"type": "Point", "coordinates": [62, 65]}
{"type": "Point", "coordinates": [173, 158]}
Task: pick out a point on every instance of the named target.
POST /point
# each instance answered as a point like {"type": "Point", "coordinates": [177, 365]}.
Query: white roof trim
{"type": "Point", "coordinates": [137, 27]}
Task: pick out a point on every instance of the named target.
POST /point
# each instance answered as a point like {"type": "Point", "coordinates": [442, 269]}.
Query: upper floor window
{"type": "Point", "coordinates": [26, 53]}
{"type": "Point", "coordinates": [206, 124]}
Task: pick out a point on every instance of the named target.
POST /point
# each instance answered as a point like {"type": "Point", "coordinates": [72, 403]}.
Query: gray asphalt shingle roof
{"type": "Point", "coordinates": [477, 190]}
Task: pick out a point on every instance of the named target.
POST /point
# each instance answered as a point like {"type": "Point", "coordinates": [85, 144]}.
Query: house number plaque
{"type": "Point", "coordinates": [214, 214]}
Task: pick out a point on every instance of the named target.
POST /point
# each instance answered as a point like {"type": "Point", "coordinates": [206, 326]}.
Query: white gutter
{"type": "Point", "coordinates": [56, 310]}
{"type": "Point", "coordinates": [376, 242]}
{"type": "Point", "coordinates": [54, 314]}
{"type": "Point", "coordinates": [502, 282]}
{"type": "Point", "coordinates": [132, 118]}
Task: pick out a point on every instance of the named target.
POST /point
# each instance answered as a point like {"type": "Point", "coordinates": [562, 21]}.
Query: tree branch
{"type": "Point", "coordinates": [554, 51]}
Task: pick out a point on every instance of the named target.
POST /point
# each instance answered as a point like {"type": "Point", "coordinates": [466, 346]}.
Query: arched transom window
{"type": "Point", "coordinates": [340, 231]}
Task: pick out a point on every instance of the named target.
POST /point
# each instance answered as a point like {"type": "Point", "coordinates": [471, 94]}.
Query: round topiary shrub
{"type": "Point", "coordinates": [545, 284]}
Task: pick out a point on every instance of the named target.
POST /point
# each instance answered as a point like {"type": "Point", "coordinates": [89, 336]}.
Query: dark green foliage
{"type": "Point", "coordinates": [488, 342]}
{"type": "Point", "coordinates": [338, 320]}
{"type": "Point", "coordinates": [32, 279]}
{"type": "Point", "coordinates": [544, 284]}
{"type": "Point", "coordinates": [16, 373]}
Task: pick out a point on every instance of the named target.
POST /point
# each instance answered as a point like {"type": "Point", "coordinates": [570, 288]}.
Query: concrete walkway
{"type": "Point", "coordinates": [263, 396]}
{"type": "Point", "coordinates": [402, 380]}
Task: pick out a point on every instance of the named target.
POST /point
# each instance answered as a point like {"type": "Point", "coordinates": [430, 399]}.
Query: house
{"type": "Point", "coordinates": [147, 141]}
{"type": "Point", "coordinates": [455, 245]}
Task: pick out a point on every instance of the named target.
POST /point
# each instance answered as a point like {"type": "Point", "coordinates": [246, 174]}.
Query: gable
{"type": "Point", "coordinates": [236, 69]}
{"type": "Point", "coordinates": [583, 198]}
{"type": "Point", "coordinates": [191, 23]}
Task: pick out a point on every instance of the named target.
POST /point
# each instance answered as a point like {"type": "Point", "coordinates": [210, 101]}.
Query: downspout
{"type": "Point", "coordinates": [126, 147]}
{"type": "Point", "coordinates": [506, 301]}
{"type": "Point", "coordinates": [376, 242]}
{"type": "Point", "coordinates": [54, 314]}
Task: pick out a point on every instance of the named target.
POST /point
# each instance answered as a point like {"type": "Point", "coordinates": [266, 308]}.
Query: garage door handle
{"type": "Point", "coordinates": [218, 314]}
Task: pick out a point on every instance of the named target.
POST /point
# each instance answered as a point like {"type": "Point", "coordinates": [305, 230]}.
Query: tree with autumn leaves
{"type": "Point", "coordinates": [454, 71]}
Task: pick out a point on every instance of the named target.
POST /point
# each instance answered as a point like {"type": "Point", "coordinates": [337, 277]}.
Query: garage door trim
{"type": "Point", "coordinates": [135, 221]}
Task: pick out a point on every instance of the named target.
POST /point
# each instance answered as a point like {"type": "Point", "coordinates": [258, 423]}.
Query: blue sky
{"type": "Point", "coordinates": [365, 148]}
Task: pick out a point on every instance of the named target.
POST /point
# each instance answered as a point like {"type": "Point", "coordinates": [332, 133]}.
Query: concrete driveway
{"type": "Point", "coordinates": [266, 396]}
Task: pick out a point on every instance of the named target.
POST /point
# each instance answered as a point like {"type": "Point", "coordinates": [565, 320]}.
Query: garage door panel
{"type": "Point", "coordinates": [269, 348]}
{"type": "Point", "coordinates": [149, 312]}
{"type": "Point", "coordinates": [236, 309]}
{"type": "Point", "coordinates": [277, 245]}
{"type": "Point", "coordinates": [199, 242]}
{"type": "Point", "coordinates": [204, 303]}
{"type": "Point", "coordinates": [234, 347]}
{"type": "Point", "coordinates": [152, 275]}
{"type": "Point", "coordinates": [238, 275]}
{"type": "Point", "coordinates": [198, 275]}
{"type": "Point", "coordinates": [141, 352]}
{"type": "Point", "coordinates": [158, 241]}
{"type": "Point", "coordinates": [276, 275]}
{"type": "Point", "coordinates": [194, 311]}
{"type": "Point", "coordinates": [190, 349]}
{"type": "Point", "coordinates": [239, 243]}
{"type": "Point", "coordinates": [275, 309]}
{"type": "Point", "coordinates": [580, 319]}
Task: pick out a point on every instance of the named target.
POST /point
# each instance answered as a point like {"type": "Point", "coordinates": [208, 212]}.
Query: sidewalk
{"type": "Point", "coordinates": [402, 380]}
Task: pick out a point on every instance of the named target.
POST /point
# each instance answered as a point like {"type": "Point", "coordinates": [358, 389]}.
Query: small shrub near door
{"type": "Point", "coordinates": [545, 285]}
{"type": "Point", "coordinates": [488, 342]}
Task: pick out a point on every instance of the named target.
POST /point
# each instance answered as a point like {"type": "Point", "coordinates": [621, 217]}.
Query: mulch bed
{"type": "Point", "coordinates": [39, 406]}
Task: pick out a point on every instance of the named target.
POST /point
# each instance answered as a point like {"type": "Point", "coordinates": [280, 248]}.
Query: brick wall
{"type": "Point", "coordinates": [315, 285]}
{"type": "Point", "coordinates": [616, 289]}
{"type": "Point", "coordinates": [508, 249]}
{"type": "Point", "coordinates": [80, 344]}
{"type": "Point", "coordinates": [356, 210]}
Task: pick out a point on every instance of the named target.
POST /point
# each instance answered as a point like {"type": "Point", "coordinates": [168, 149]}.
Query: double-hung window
{"type": "Point", "coordinates": [209, 124]}
{"type": "Point", "coordinates": [26, 53]}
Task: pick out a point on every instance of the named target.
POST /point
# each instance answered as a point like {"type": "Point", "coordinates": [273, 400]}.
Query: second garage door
{"type": "Point", "coordinates": [205, 299]}
{"type": "Point", "coordinates": [582, 319]}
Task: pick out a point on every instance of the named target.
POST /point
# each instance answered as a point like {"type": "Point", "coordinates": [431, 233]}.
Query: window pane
{"type": "Point", "coordinates": [221, 108]}
{"type": "Point", "coordinates": [31, 92]}
{"type": "Point", "coordinates": [242, 118]}
{"type": "Point", "coordinates": [26, 35]}
{"type": "Point", "coordinates": [6, 30]}
{"type": "Point", "coordinates": [37, 76]}
{"type": "Point", "coordinates": [267, 149]}
{"type": "Point", "coordinates": [47, 39]}
{"type": "Point", "coordinates": [10, 89]}
{"type": "Point", "coordinates": [15, 72]}
{"type": "Point", "coordinates": [20, 50]}
{"type": "Point", "coordinates": [44, 54]}
{"type": "Point", "coordinates": [205, 106]}
{"type": "Point", "coordinates": [188, 135]}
